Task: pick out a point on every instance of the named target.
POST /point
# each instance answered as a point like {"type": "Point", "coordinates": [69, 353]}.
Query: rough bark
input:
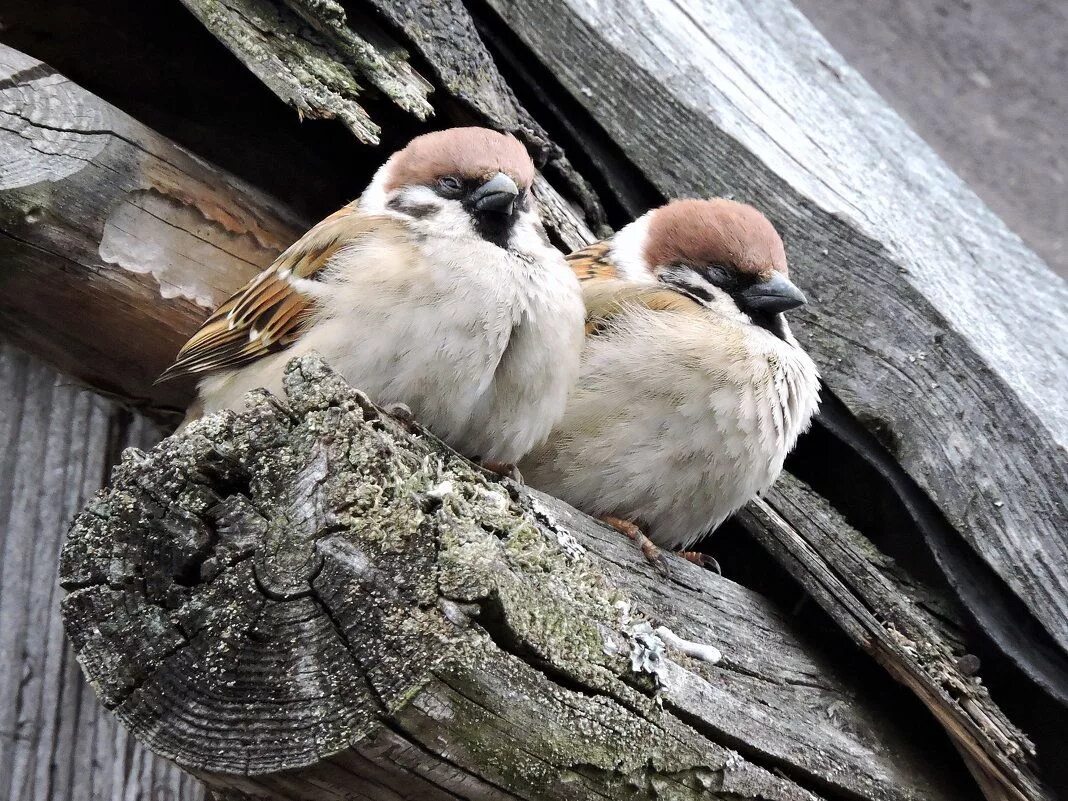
{"type": "Point", "coordinates": [912, 320]}
{"type": "Point", "coordinates": [315, 599]}
{"type": "Point", "coordinates": [116, 242]}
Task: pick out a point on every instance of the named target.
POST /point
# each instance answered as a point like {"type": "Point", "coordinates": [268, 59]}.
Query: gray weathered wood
{"type": "Point", "coordinates": [849, 578]}
{"type": "Point", "coordinates": [306, 53]}
{"type": "Point", "coordinates": [56, 741]}
{"type": "Point", "coordinates": [317, 600]}
{"type": "Point", "coordinates": [981, 82]}
{"type": "Point", "coordinates": [116, 243]}
{"type": "Point", "coordinates": [935, 325]}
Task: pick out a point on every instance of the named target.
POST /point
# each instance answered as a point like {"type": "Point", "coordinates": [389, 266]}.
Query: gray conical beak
{"type": "Point", "coordinates": [498, 195]}
{"type": "Point", "coordinates": [775, 295]}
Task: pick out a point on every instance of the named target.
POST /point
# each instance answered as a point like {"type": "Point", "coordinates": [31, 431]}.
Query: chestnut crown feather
{"type": "Point", "coordinates": [717, 231]}
{"type": "Point", "coordinates": [467, 153]}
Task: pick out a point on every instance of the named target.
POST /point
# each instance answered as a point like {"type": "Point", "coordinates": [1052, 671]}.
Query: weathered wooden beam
{"type": "Point", "coordinates": [116, 242]}
{"type": "Point", "coordinates": [937, 327]}
{"type": "Point", "coordinates": [885, 616]}
{"type": "Point", "coordinates": [307, 54]}
{"type": "Point", "coordinates": [317, 600]}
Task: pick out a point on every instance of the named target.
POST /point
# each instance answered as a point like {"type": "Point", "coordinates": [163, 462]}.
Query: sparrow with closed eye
{"type": "Point", "coordinates": [692, 389]}
{"type": "Point", "coordinates": [437, 289]}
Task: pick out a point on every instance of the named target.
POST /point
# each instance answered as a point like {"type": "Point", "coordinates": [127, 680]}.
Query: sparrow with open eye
{"type": "Point", "coordinates": [437, 289]}
{"type": "Point", "coordinates": [692, 389]}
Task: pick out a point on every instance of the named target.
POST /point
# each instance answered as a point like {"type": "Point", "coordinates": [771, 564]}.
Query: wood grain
{"type": "Point", "coordinates": [314, 597]}
{"type": "Point", "coordinates": [932, 321]}
{"type": "Point", "coordinates": [56, 741]}
{"type": "Point", "coordinates": [116, 242]}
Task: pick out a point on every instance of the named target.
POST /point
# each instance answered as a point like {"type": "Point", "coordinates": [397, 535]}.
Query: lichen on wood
{"type": "Point", "coordinates": [269, 596]}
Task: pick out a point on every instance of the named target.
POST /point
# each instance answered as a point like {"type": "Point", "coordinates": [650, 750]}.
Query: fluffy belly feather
{"type": "Point", "coordinates": [482, 351]}
{"type": "Point", "coordinates": [675, 423]}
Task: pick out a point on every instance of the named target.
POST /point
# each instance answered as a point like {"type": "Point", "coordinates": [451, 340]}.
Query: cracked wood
{"type": "Point", "coordinates": [115, 241]}
{"type": "Point", "coordinates": [313, 597]}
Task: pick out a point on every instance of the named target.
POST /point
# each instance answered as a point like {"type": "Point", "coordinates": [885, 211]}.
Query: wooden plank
{"type": "Point", "coordinates": [306, 54]}
{"type": "Point", "coordinates": [409, 603]}
{"type": "Point", "coordinates": [116, 242]}
{"type": "Point", "coordinates": [56, 741]}
{"type": "Point", "coordinates": [911, 321]}
{"type": "Point", "coordinates": [885, 617]}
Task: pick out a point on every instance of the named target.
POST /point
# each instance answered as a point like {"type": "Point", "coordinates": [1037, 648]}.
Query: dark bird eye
{"type": "Point", "coordinates": [450, 184]}
{"type": "Point", "coordinates": [719, 275]}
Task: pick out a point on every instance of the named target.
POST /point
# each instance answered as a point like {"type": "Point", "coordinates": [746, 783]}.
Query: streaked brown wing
{"type": "Point", "coordinates": [269, 312]}
{"type": "Point", "coordinates": [592, 262]}
{"type": "Point", "coordinates": [605, 293]}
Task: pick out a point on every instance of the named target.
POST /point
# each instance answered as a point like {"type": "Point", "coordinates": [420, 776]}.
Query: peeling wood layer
{"type": "Point", "coordinates": [305, 52]}
{"type": "Point", "coordinates": [115, 248]}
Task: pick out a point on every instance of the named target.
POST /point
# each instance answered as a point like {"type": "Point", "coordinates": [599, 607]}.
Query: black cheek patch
{"type": "Point", "coordinates": [417, 211]}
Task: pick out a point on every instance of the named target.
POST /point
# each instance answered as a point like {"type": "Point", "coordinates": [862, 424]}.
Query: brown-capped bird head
{"type": "Point", "coordinates": [714, 250]}
{"type": "Point", "coordinates": [457, 180]}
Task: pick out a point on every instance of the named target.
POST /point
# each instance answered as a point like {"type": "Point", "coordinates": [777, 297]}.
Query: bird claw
{"type": "Point", "coordinates": [653, 555]}
{"type": "Point", "coordinates": [701, 560]}
{"type": "Point", "coordinates": [401, 411]}
{"type": "Point", "coordinates": [505, 470]}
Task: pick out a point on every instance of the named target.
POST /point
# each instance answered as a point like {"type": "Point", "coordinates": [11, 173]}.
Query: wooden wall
{"type": "Point", "coordinates": [56, 742]}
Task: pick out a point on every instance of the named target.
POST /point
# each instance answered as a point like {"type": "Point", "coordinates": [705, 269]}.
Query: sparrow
{"type": "Point", "coordinates": [692, 389]}
{"type": "Point", "coordinates": [437, 290]}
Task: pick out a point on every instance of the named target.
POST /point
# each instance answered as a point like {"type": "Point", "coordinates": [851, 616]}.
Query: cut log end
{"type": "Point", "coordinates": [314, 596]}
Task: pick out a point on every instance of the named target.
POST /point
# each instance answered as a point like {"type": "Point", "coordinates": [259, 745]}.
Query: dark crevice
{"type": "Point", "coordinates": [492, 620]}
{"type": "Point", "coordinates": [190, 572]}
{"type": "Point", "coordinates": [885, 504]}
{"type": "Point", "coordinates": [1021, 664]}
{"type": "Point", "coordinates": [624, 191]}
{"type": "Point", "coordinates": [372, 691]}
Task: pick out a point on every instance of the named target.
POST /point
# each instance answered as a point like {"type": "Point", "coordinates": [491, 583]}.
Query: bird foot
{"type": "Point", "coordinates": [401, 411]}
{"type": "Point", "coordinates": [701, 560]}
{"type": "Point", "coordinates": [504, 469]}
{"type": "Point", "coordinates": [653, 555]}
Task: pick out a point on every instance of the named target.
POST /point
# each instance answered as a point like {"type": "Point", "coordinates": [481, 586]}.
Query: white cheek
{"type": "Point", "coordinates": [374, 198]}
{"type": "Point", "coordinates": [627, 246]}
{"type": "Point", "coordinates": [724, 304]}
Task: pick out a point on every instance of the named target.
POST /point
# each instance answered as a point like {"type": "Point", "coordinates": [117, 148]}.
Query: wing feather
{"type": "Point", "coordinates": [593, 262]}
{"type": "Point", "coordinates": [606, 293]}
{"type": "Point", "coordinates": [269, 312]}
